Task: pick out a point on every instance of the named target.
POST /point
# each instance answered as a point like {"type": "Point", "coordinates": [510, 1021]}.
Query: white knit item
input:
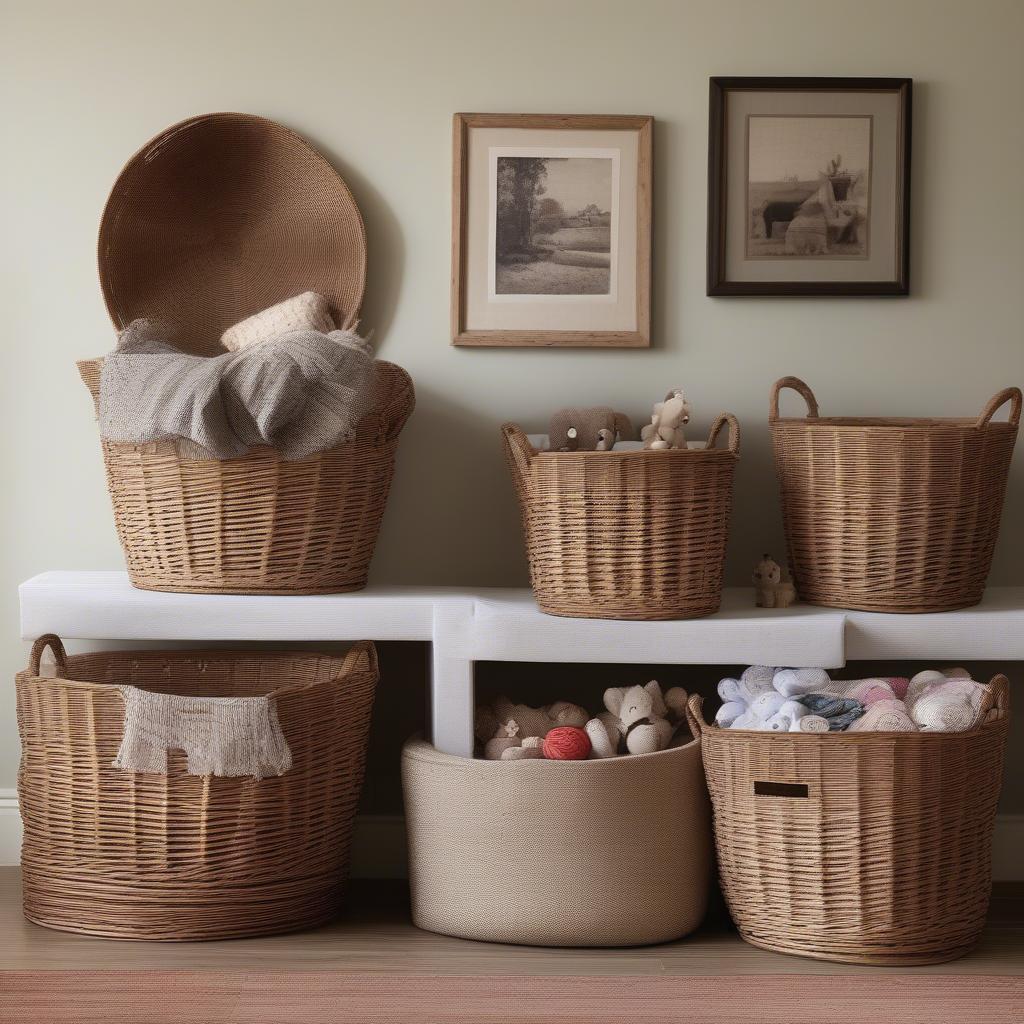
{"type": "Point", "coordinates": [225, 736]}
{"type": "Point", "coordinates": [306, 312]}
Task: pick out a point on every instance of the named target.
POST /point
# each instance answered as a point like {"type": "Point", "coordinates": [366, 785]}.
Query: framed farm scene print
{"type": "Point", "coordinates": [551, 230]}
{"type": "Point", "coordinates": [809, 186]}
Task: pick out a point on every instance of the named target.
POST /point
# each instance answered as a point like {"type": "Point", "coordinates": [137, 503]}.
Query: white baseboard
{"type": "Point", "coordinates": [378, 844]}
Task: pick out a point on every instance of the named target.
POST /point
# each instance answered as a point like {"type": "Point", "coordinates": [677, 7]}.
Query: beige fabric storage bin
{"type": "Point", "coordinates": [610, 852]}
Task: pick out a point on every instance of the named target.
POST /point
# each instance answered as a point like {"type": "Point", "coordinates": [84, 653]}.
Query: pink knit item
{"type": "Point", "coordinates": [899, 685]}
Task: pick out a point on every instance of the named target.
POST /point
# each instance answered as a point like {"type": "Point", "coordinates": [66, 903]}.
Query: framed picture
{"type": "Point", "coordinates": [551, 230]}
{"type": "Point", "coordinates": [809, 186]}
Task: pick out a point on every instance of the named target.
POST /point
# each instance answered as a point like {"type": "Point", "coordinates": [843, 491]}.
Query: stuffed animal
{"type": "Point", "coordinates": [505, 726]}
{"type": "Point", "coordinates": [509, 745]}
{"type": "Point", "coordinates": [760, 710]}
{"type": "Point", "coordinates": [636, 721]}
{"type": "Point", "coordinates": [667, 421]}
{"type": "Point", "coordinates": [793, 682]}
{"type": "Point", "coordinates": [737, 694]}
{"type": "Point", "coordinates": [772, 587]}
{"type": "Point", "coordinates": [787, 718]}
{"type": "Point", "coordinates": [592, 429]}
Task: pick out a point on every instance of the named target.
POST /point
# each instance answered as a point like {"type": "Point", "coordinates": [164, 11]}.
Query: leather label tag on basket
{"type": "Point", "coordinates": [225, 736]}
{"type": "Point", "coordinates": [790, 789]}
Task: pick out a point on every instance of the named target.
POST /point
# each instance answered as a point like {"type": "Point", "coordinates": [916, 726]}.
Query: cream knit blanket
{"type": "Point", "coordinates": [300, 392]}
{"type": "Point", "coordinates": [226, 736]}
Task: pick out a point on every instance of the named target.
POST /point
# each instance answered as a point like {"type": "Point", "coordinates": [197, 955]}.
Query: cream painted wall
{"type": "Point", "coordinates": [374, 85]}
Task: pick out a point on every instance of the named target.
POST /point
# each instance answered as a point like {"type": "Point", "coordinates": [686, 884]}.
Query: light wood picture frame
{"type": "Point", "coordinates": [551, 230]}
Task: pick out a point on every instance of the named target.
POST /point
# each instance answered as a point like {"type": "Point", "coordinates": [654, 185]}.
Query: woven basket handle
{"type": "Point", "coordinates": [52, 641]}
{"type": "Point", "coordinates": [734, 431]}
{"type": "Point", "coordinates": [797, 385]}
{"type": "Point", "coordinates": [695, 714]}
{"type": "Point", "coordinates": [996, 401]}
{"type": "Point", "coordinates": [1000, 687]}
{"type": "Point", "coordinates": [520, 451]}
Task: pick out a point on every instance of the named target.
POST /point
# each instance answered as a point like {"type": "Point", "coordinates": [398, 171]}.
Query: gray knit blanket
{"type": "Point", "coordinates": [300, 392]}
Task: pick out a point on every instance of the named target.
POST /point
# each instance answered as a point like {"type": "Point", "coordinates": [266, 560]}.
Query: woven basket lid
{"type": "Point", "coordinates": [221, 216]}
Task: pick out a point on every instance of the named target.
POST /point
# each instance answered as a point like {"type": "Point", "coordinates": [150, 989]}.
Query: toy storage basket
{"type": "Point", "coordinates": [626, 535]}
{"type": "Point", "coordinates": [215, 219]}
{"type": "Point", "coordinates": [891, 515]}
{"type": "Point", "coordinates": [864, 847]}
{"type": "Point", "coordinates": [609, 852]}
{"type": "Point", "coordinates": [178, 856]}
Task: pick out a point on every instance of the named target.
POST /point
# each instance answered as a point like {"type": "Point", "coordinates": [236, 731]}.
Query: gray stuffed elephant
{"type": "Point", "coordinates": [593, 429]}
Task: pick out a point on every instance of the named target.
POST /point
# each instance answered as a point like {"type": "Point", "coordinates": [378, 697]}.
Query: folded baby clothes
{"type": "Point", "coordinates": [306, 312]}
{"type": "Point", "coordinates": [300, 392]}
{"type": "Point", "coordinates": [869, 691]}
{"type": "Point", "coordinates": [884, 716]}
{"type": "Point", "coordinates": [840, 712]}
{"type": "Point", "coordinates": [225, 736]}
{"type": "Point", "coordinates": [939, 702]}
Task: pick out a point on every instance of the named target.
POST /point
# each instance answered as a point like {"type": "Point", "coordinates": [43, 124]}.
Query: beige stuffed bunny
{"type": "Point", "coordinates": [667, 421]}
{"type": "Point", "coordinates": [637, 720]}
{"type": "Point", "coordinates": [508, 731]}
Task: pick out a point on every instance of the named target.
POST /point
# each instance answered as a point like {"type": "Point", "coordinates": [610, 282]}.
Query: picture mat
{"type": "Point", "coordinates": [811, 170]}
{"type": "Point", "coordinates": [540, 313]}
{"type": "Point", "coordinates": [495, 153]}
{"type": "Point", "coordinates": [884, 226]}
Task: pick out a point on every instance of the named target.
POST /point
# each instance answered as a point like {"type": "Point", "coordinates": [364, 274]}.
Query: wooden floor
{"type": "Point", "coordinates": [373, 965]}
{"type": "Point", "coordinates": [375, 936]}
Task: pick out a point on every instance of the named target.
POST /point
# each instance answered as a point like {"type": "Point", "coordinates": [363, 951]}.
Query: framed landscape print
{"type": "Point", "coordinates": [809, 186]}
{"type": "Point", "coordinates": [551, 230]}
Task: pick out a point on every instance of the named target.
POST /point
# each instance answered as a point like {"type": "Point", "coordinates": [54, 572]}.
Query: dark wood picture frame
{"type": "Point", "coordinates": [641, 337]}
{"type": "Point", "coordinates": [718, 283]}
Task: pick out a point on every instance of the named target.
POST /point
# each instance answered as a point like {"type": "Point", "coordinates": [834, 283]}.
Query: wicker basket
{"type": "Point", "coordinates": [892, 515]}
{"type": "Point", "coordinates": [213, 220]}
{"type": "Point", "coordinates": [861, 847]}
{"type": "Point", "coordinates": [626, 534]}
{"type": "Point", "coordinates": [177, 856]}
{"type": "Point", "coordinates": [259, 524]}
{"type": "Point", "coordinates": [609, 852]}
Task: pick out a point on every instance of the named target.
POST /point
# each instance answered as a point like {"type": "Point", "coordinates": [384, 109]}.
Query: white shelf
{"type": "Point", "coordinates": [507, 625]}
{"type": "Point", "coordinates": [470, 625]}
{"type": "Point", "coordinates": [105, 606]}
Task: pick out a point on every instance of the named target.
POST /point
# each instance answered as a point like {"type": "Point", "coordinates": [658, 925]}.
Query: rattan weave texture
{"type": "Point", "coordinates": [877, 851]}
{"type": "Point", "coordinates": [626, 534]}
{"type": "Point", "coordinates": [892, 515]}
{"type": "Point", "coordinates": [258, 524]}
{"type": "Point", "coordinates": [219, 217]}
{"type": "Point", "coordinates": [177, 856]}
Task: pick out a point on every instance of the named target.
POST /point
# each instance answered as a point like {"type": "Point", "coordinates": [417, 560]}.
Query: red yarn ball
{"type": "Point", "coordinates": [567, 743]}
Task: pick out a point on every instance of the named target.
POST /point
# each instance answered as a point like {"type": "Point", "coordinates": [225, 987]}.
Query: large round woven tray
{"type": "Point", "coordinates": [221, 216]}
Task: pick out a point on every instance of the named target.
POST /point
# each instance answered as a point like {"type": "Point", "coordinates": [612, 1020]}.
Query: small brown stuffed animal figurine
{"type": "Point", "coordinates": [588, 430]}
{"type": "Point", "coordinates": [772, 588]}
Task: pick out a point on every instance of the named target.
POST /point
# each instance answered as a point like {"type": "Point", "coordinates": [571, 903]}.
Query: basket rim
{"type": "Point", "coordinates": [416, 748]}
{"type": "Point", "coordinates": [888, 423]}
{"type": "Point", "coordinates": [348, 665]}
